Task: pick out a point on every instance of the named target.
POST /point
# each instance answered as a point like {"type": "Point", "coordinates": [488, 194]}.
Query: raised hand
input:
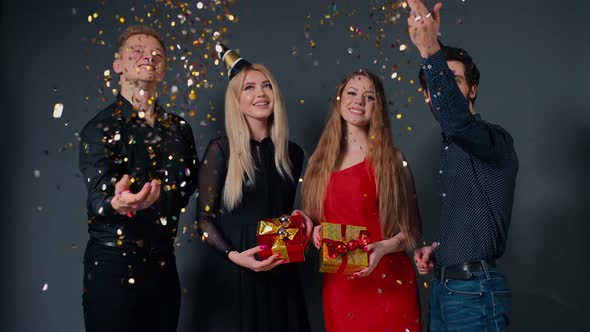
{"type": "Point", "coordinates": [247, 259]}
{"type": "Point", "coordinates": [424, 27]}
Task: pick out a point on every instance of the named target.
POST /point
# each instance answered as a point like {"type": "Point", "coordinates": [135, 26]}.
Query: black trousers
{"type": "Point", "coordinates": [129, 290]}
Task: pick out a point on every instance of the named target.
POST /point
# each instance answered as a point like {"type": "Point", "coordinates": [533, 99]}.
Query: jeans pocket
{"type": "Point", "coordinates": [463, 305]}
{"type": "Point", "coordinates": [502, 308]}
{"type": "Point", "coordinates": [463, 287]}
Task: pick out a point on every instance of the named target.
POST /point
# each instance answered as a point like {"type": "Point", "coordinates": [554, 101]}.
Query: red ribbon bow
{"type": "Point", "coordinates": [336, 248]}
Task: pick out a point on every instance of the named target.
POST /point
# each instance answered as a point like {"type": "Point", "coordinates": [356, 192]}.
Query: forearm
{"type": "Point", "coordinates": [448, 102]}
{"type": "Point", "coordinates": [395, 243]}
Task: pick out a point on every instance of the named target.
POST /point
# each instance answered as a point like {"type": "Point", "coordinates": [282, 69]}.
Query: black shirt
{"type": "Point", "coordinates": [118, 141]}
{"type": "Point", "coordinates": [476, 175]}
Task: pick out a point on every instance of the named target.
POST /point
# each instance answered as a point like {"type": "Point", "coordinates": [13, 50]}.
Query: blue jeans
{"type": "Point", "coordinates": [482, 303]}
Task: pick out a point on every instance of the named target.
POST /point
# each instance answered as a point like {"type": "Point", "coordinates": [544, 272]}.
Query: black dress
{"type": "Point", "coordinates": [238, 299]}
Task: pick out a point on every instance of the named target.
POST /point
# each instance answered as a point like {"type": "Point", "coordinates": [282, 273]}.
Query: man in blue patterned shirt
{"type": "Point", "coordinates": [475, 180]}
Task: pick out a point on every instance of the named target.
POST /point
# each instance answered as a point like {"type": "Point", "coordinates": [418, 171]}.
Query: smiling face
{"type": "Point", "coordinates": [256, 100]}
{"type": "Point", "coordinates": [357, 101]}
{"type": "Point", "coordinates": [140, 58]}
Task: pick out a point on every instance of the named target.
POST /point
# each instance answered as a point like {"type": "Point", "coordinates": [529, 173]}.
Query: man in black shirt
{"type": "Point", "coordinates": [475, 182]}
{"type": "Point", "coordinates": [140, 168]}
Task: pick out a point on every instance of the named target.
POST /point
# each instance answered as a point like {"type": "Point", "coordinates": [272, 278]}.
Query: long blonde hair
{"type": "Point", "coordinates": [240, 170]}
{"type": "Point", "coordinates": [391, 187]}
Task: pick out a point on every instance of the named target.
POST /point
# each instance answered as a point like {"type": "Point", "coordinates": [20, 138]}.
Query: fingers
{"type": "Point", "coordinates": [153, 195]}
{"type": "Point", "coordinates": [143, 193]}
{"type": "Point", "coordinates": [307, 225]}
{"type": "Point", "coordinates": [436, 11]}
{"type": "Point", "coordinates": [362, 273]}
{"type": "Point", "coordinates": [425, 269]}
{"type": "Point", "coordinates": [317, 241]}
{"type": "Point", "coordinates": [417, 254]}
{"type": "Point", "coordinates": [418, 7]}
{"type": "Point", "coordinates": [418, 10]}
{"type": "Point", "coordinates": [269, 263]}
{"type": "Point", "coordinates": [317, 236]}
{"type": "Point", "coordinates": [278, 262]}
{"type": "Point", "coordinates": [122, 185]}
{"type": "Point", "coordinates": [255, 250]}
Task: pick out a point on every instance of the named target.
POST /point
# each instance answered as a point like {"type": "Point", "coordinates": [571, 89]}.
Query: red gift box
{"type": "Point", "coordinates": [283, 235]}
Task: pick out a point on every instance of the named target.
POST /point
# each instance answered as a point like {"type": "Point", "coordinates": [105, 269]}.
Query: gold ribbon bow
{"type": "Point", "coordinates": [278, 226]}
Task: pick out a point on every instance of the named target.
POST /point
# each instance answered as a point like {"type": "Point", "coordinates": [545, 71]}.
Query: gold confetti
{"type": "Point", "coordinates": [58, 110]}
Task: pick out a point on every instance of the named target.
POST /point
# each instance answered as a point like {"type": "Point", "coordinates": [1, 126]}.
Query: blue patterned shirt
{"type": "Point", "coordinates": [476, 174]}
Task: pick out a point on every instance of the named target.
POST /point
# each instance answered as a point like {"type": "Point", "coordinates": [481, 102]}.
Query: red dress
{"type": "Point", "coordinates": [387, 299]}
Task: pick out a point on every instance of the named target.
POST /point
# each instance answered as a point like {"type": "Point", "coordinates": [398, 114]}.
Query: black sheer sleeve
{"type": "Point", "coordinates": [212, 174]}
{"type": "Point", "coordinates": [296, 155]}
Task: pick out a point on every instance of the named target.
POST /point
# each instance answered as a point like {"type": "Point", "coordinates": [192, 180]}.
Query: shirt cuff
{"type": "Point", "coordinates": [434, 64]}
{"type": "Point", "coordinates": [106, 209]}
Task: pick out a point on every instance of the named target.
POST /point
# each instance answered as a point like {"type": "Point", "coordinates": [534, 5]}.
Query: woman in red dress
{"type": "Point", "coordinates": [357, 177]}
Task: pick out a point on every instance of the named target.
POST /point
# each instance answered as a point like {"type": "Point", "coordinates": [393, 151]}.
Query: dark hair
{"type": "Point", "coordinates": [457, 54]}
{"type": "Point", "coordinates": [138, 30]}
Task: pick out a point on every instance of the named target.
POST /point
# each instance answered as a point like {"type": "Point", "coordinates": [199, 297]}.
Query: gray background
{"type": "Point", "coordinates": [532, 55]}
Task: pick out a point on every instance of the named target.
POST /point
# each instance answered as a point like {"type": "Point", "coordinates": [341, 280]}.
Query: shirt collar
{"type": "Point", "coordinates": [126, 108]}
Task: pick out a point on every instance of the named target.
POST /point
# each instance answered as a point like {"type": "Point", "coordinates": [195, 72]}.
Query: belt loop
{"type": "Point", "coordinates": [485, 269]}
{"type": "Point", "coordinates": [442, 274]}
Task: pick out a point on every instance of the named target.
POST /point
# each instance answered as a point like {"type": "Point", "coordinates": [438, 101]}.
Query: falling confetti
{"type": "Point", "coordinates": [37, 173]}
{"type": "Point", "coordinates": [58, 110]}
{"type": "Point", "coordinates": [45, 287]}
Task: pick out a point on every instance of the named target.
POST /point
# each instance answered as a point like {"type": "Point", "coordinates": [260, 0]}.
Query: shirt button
{"type": "Point", "coordinates": [446, 147]}
{"type": "Point", "coordinates": [440, 171]}
{"type": "Point", "coordinates": [444, 195]}
{"type": "Point", "coordinates": [429, 66]}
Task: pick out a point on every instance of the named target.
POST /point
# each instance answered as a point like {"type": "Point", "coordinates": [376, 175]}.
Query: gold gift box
{"type": "Point", "coordinates": [355, 260]}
